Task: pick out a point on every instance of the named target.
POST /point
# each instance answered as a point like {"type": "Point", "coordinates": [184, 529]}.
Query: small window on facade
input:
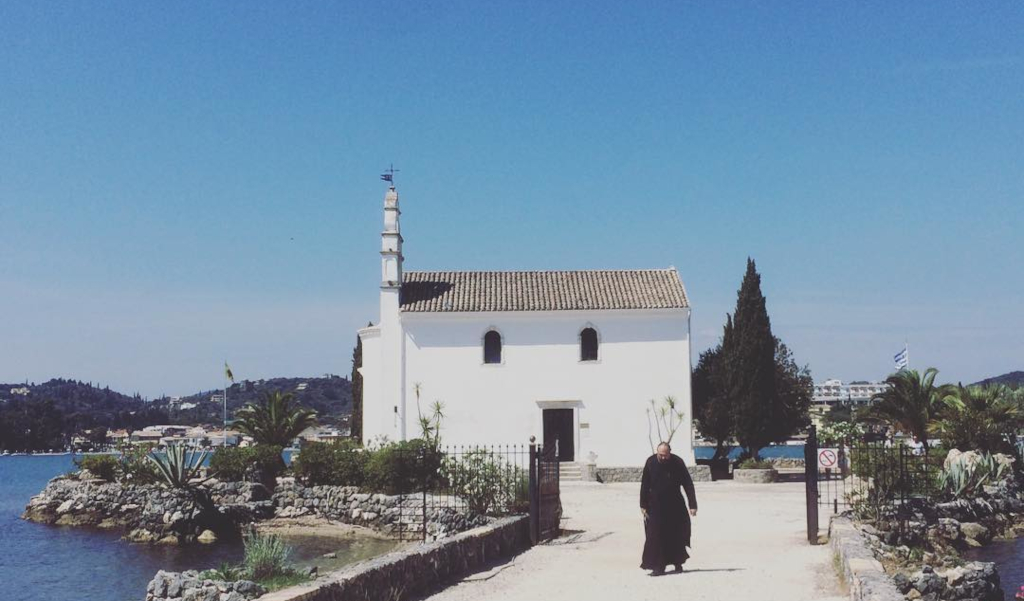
{"type": "Point", "coordinates": [492, 347]}
{"type": "Point", "coordinates": [588, 344]}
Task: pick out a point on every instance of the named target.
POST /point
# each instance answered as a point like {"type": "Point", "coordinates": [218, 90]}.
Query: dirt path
{"type": "Point", "coordinates": [749, 542]}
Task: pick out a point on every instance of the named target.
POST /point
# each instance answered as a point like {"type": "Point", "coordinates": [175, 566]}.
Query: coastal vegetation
{"type": "Point", "coordinates": [265, 561]}
{"type": "Point", "coordinates": [260, 463]}
{"type": "Point", "coordinates": [179, 465]}
{"type": "Point", "coordinates": [750, 387]}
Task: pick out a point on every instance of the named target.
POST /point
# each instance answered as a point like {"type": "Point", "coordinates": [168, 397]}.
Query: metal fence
{"type": "Point", "coordinates": [453, 488]}
{"type": "Point", "coordinates": [869, 477]}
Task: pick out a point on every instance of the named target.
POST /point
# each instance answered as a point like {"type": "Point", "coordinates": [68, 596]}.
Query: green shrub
{"type": "Point", "coordinates": [755, 464]}
{"type": "Point", "coordinates": [966, 473]}
{"type": "Point", "coordinates": [103, 467]}
{"type": "Point", "coordinates": [403, 467]}
{"type": "Point", "coordinates": [266, 556]}
{"type": "Point", "coordinates": [259, 463]}
{"type": "Point", "coordinates": [340, 463]}
{"type": "Point", "coordinates": [134, 466]}
{"type": "Point", "coordinates": [487, 482]}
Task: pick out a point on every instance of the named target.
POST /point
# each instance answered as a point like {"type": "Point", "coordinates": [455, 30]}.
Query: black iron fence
{"type": "Point", "coordinates": [872, 478]}
{"type": "Point", "coordinates": [452, 488]}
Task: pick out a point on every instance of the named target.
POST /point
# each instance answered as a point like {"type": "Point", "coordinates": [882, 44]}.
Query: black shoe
{"type": "Point", "coordinates": [679, 567]}
{"type": "Point", "coordinates": [658, 572]}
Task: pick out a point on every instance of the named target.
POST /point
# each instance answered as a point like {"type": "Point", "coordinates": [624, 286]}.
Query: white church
{"type": "Point", "coordinates": [570, 357]}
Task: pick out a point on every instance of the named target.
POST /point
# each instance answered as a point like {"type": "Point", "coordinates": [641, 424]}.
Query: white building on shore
{"type": "Point", "coordinates": [570, 357]}
{"type": "Point", "coordinates": [833, 392]}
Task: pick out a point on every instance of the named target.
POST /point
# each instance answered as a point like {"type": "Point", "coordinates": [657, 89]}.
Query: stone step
{"type": "Point", "coordinates": [570, 472]}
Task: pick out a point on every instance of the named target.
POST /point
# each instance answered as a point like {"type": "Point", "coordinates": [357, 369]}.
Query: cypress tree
{"type": "Point", "coordinates": [710, 404]}
{"type": "Point", "coordinates": [356, 422]}
{"type": "Point", "coordinates": [748, 354]}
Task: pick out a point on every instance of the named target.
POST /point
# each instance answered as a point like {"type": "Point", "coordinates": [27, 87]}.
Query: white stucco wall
{"type": "Point", "coordinates": [643, 355]}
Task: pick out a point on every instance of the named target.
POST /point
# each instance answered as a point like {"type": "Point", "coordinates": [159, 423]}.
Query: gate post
{"type": "Point", "coordinates": [534, 493]}
{"type": "Point", "coordinates": [811, 483]}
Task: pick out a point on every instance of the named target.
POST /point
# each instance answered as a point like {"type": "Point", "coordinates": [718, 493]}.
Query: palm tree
{"type": "Point", "coordinates": [274, 421]}
{"type": "Point", "coordinates": [983, 418]}
{"type": "Point", "coordinates": [910, 402]}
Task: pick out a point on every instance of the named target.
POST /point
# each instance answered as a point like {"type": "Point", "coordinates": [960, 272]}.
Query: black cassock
{"type": "Point", "coordinates": [668, 523]}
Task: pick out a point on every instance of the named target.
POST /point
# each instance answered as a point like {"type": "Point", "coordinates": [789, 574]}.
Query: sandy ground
{"type": "Point", "coordinates": [749, 542]}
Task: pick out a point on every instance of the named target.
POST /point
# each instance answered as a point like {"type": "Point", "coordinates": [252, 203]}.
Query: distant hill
{"type": "Point", "coordinates": [45, 416]}
{"type": "Point", "coordinates": [330, 396]}
{"type": "Point", "coordinates": [1014, 379]}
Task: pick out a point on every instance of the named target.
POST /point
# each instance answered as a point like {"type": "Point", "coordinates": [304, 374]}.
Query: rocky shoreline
{"type": "Point", "coordinates": [920, 548]}
{"type": "Point", "coordinates": [156, 514]}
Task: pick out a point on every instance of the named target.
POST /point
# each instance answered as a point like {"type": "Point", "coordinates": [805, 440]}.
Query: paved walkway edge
{"type": "Point", "coordinates": [863, 574]}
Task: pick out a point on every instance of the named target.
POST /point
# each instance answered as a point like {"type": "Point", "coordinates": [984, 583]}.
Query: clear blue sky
{"type": "Point", "coordinates": [183, 183]}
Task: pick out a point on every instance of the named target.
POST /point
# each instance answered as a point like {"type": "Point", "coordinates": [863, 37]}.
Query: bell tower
{"type": "Point", "coordinates": [392, 338]}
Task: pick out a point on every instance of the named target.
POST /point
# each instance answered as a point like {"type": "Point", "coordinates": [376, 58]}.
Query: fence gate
{"type": "Point", "coordinates": [879, 477]}
{"type": "Point", "coordinates": [545, 493]}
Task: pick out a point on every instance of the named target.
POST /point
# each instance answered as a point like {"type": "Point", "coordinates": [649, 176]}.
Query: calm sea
{"type": "Point", "coordinates": [52, 563]}
{"type": "Point", "coordinates": [780, 451]}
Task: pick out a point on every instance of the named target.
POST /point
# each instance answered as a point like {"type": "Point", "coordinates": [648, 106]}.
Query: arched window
{"type": "Point", "coordinates": [492, 347]}
{"type": "Point", "coordinates": [588, 344]}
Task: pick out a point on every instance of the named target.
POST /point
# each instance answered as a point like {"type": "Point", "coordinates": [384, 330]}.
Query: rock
{"type": "Point", "coordinates": [903, 584]}
{"type": "Point", "coordinates": [369, 516]}
{"type": "Point", "coordinates": [206, 537]}
{"type": "Point", "coordinates": [174, 585]}
{"type": "Point", "coordinates": [331, 555]}
{"type": "Point", "coordinates": [311, 572]}
{"type": "Point", "coordinates": [356, 513]}
{"type": "Point", "coordinates": [248, 588]}
{"type": "Point", "coordinates": [65, 506]}
{"type": "Point", "coordinates": [976, 531]}
{"type": "Point", "coordinates": [949, 529]}
{"type": "Point", "coordinates": [913, 594]}
{"type": "Point", "coordinates": [954, 575]}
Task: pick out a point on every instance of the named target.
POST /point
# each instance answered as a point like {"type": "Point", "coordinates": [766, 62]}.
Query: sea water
{"type": "Point", "coordinates": [56, 563]}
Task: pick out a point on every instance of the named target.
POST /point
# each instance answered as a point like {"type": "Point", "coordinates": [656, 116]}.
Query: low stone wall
{"type": "Point", "coordinates": [785, 462]}
{"type": "Point", "coordinates": [699, 473]}
{"type": "Point", "coordinates": [863, 574]}
{"type": "Point", "coordinates": [153, 513]}
{"type": "Point", "coordinates": [384, 513]}
{"type": "Point", "coordinates": [755, 476]}
{"type": "Point", "coordinates": [187, 586]}
{"type": "Point", "coordinates": [409, 573]}
{"type": "Point", "coordinates": [148, 513]}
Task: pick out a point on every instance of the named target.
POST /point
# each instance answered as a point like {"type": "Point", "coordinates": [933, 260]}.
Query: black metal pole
{"type": "Point", "coordinates": [534, 494]}
{"type": "Point", "coordinates": [811, 484]}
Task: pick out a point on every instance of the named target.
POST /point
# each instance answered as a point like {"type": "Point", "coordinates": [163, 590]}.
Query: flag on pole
{"type": "Point", "coordinates": [227, 372]}
{"type": "Point", "coordinates": [901, 360]}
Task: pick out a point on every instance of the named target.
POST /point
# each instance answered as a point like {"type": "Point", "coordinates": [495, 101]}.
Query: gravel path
{"type": "Point", "coordinates": [749, 542]}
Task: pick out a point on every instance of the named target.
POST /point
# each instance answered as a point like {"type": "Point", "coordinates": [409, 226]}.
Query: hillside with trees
{"type": "Point", "coordinates": [330, 396]}
{"type": "Point", "coordinates": [39, 417]}
{"type": "Point", "coordinates": [1014, 379]}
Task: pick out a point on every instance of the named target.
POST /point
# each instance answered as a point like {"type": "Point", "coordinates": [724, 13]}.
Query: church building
{"type": "Point", "coordinates": [570, 357]}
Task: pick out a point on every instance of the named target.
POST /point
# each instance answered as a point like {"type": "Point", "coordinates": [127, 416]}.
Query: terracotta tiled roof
{"type": "Point", "coordinates": [461, 291]}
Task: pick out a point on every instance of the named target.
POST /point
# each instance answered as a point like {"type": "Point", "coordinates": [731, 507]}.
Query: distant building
{"type": "Point", "coordinates": [301, 387]}
{"type": "Point", "coordinates": [22, 391]}
{"type": "Point", "coordinates": [833, 392]}
{"type": "Point", "coordinates": [217, 398]}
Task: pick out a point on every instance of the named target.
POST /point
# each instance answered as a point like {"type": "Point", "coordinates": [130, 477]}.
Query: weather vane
{"type": "Point", "coordinates": [389, 175]}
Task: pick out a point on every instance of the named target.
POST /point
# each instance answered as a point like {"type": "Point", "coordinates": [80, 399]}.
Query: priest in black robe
{"type": "Point", "coordinates": [666, 519]}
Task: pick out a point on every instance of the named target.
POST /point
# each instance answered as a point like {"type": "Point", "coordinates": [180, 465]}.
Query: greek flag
{"type": "Point", "coordinates": [901, 359]}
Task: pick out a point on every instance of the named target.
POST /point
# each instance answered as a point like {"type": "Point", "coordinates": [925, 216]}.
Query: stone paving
{"type": "Point", "coordinates": [749, 542]}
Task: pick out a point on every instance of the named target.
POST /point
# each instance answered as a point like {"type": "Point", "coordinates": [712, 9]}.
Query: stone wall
{"type": "Point", "coordinates": [409, 573]}
{"type": "Point", "coordinates": [699, 473]}
{"type": "Point", "coordinates": [384, 513]}
{"type": "Point", "coordinates": [187, 586]}
{"type": "Point", "coordinates": [149, 513]}
{"type": "Point", "coordinates": [864, 575]}
{"type": "Point", "coordinates": [157, 514]}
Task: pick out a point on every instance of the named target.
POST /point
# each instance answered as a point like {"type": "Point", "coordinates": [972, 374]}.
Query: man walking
{"type": "Point", "coordinates": [666, 520]}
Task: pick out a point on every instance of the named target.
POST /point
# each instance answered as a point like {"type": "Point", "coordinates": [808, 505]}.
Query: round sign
{"type": "Point", "coordinates": [827, 458]}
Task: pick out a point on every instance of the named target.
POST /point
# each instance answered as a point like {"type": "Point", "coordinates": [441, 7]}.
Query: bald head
{"type": "Point", "coordinates": [664, 451]}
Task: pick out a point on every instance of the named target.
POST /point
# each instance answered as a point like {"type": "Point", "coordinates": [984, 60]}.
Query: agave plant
{"type": "Point", "coordinates": [179, 465]}
{"type": "Point", "coordinates": [965, 473]}
{"type": "Point", "coordinates": [275, 421]}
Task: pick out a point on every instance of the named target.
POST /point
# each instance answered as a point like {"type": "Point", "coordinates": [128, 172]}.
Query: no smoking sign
{"type": "Point", "coordinates": [827, 458]}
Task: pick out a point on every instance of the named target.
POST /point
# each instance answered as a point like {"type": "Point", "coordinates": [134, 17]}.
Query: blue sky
{"type": "Point", "coordinates": [180, 184]}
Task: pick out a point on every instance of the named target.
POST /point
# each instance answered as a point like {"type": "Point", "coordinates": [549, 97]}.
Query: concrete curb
{"type": "Point", "coordinates": [863, 573]}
